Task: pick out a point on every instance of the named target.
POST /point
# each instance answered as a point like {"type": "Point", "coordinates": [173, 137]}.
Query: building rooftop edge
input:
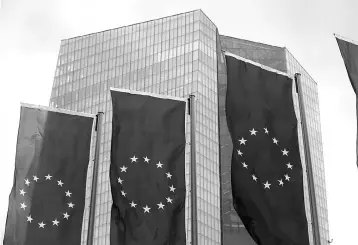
{"type": "Point", "coordinates": [284, 48]}
{"type": "Point", "coordinates": [252, 41]}
{"type": "Point", "coordinates": [65, 39]}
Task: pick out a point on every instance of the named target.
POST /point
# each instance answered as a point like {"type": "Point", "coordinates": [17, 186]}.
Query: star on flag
{"type": "Point", "coordinates": [42, 225]}
{"type": "Point", "coordinates": [123, 193]}
{"type": "Point", "coordinates": [27, 182]}
{"type": "Point", "coordinates": [285, 152]}
{"type": "Point", "coordinates": [275, 141]}
{"type": "Point", "coordinates": [267, 185]}
{"type": "Point", "coordinates": [253, 131]}
{"type": "Point", "coordinates": [254, 177]}
{"type": "Point", "coordinates": [55, 222]}
{"type": "Point", "coordinates": [159, 165]}
{"type": "Point", "coordinates": [146, 209]}
{"type": "Point", "coordinates": [160, 205]}
{"type": "Point", "coordinates": [172, 188]}
{"type": "Point", "coordinates": [280, 182]}
{"type": "Point", "coordinates": [60, 183]}
{"type": "Point", "coordinates": [23, 206]}
{"type": "Point", "coordinates": [68, 194]}
{"type": "Point", "coordinates": [134, 159]}
{"type": "Point", "coordinates": [242, 141]}
{"type": "Point", "coordinates": [29, 218]}
{"type": "Point", "coordinates": [120, 180]}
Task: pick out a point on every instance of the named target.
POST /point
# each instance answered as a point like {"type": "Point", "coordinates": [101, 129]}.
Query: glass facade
{"type": "Point", "coordinates": [176, 55]}
{"type": "Point", "coordinates": [280, 59]}
{"type": "Point", "coordinates": [311, 104]}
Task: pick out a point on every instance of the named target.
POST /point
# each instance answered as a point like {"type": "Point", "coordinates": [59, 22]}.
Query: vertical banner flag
{"type": "Point", "coordinates": [48, 195]}
{"type": "Point", "coordinates": [349, 52]}
{"type": "Point", "coordinates": [266, 170]}
{"type": "Point", "coordinates": [147, 169]}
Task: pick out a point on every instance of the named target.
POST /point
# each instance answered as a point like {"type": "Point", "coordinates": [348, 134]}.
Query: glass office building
{"type": "Point", "coordinates": [176, 55]}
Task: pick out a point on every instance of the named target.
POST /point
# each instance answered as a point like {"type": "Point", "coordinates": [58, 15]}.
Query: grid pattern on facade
{"type": "Point", "coordinates": [311, 104]}
{"type": "Point", "coordinates": [208, 183]}
{"type": "Point", "coordinates": [175, 55]}
{"type": "Point", "coordinates": [271, 56]}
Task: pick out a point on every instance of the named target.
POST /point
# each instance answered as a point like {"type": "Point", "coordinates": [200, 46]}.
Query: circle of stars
{"type": "Point", "coordinates": [146, 208]}
{"type": "Point", "coordinates": [266, 184]}
{"type": "Point", "coordinates": [33, 220]}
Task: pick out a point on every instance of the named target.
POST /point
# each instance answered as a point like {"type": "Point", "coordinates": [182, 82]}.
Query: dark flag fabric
{"type": "Point", "coordinates": [47, 199]}
{"type": "Point", "coordinates": [147, 171]}
{"type": "Point", "coordinates": [349, 52]}
{"type": "Point", "coordinates": [266, 170]}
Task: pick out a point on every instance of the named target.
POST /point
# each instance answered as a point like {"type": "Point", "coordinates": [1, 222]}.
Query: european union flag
{"type": "Point", "coordinates": [147, 170]}
{"type": "Point", "coordinates": [266, 170]}
{"type": "Point", "coordinates": [47, 199]}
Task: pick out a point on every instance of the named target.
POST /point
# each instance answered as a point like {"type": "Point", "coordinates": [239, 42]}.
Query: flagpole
{"type": "Point", "coordinates": [92, 207]}
{"type": "Point", "coordinates": [308, 160]}
{"type": "Point", "coordinates": [194, 217]}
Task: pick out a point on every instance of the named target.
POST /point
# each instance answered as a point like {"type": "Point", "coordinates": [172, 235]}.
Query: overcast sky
{"type": "Point", "coordinates": [31, 30]}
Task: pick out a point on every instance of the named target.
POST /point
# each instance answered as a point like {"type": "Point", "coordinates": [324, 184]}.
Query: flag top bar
{"type": "Point", "coordinates": [345, 39]}
{"type": "Point", "coordinates": [161, 96]}
{"type": "Point", "coordinates": [58, 110]}
{"type": "Point", "coordinates": [258, 64]}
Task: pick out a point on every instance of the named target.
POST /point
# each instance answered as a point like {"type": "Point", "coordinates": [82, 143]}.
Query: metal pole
{"type": "Point", "coordinates": [310, 179]}
{"type": "Point", "coordinates": [194, 210]}
{"type": "Point", "coordinates": [94, 181]}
